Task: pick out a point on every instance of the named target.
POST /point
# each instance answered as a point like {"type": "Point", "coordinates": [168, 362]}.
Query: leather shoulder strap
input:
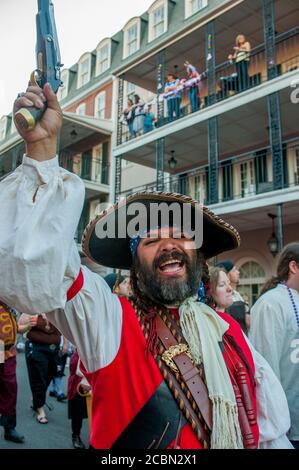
{"type": "Point", "coordinates": [189, 373]}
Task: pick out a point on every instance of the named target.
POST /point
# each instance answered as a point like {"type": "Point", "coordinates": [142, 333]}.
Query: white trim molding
{"type": "Point", "coordinates": [152, 12]}
{"type": "Point", "coordinates": [84, 69]}
{"type": "Point", "coordinates": [194, 6]}
{"type": "Point", "coordinates": [3, 127]}
{"type": "Point", "coordinates": [133, 24]}
{"type": "Point", "coordinates": [100, 111]}
{"type": "Point", "coordinates": [63, 90]}
{"type": "Point", "coordinates": [103, 63]}
{"type": "Point", "coordinates": [81, 109]}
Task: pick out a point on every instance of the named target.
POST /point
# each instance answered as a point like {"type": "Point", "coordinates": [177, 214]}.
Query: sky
{"type": "Point", "coordinates": [81, 24]}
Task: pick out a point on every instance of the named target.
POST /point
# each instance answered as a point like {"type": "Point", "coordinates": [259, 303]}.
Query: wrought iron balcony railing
{"type": "Point", "coordinates": [231, 79]}
{"type": "Point", "coordinates": [238, 177]}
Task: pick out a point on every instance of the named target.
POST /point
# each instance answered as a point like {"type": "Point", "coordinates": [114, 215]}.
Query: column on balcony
{"type": "Point", "coordinates": [160, 155]}
{"type": "Point", "coordinates": [117, 185]}
{"type": "Point", "coordinates": [213, 193]}
{"type": "Point", "coordinates": [120, 104]}
{"type": "Point", "coordinates": [273, 101]}
{"type": "Point", "coordinates": [104, 163]}
{"type": "Point", "coordinates": [160, 85]}
{"type": "Point", "coordinates": [275, 135]}
{"type": "Point", "coordinates": [116, 89]}
{"type": "Point", "coordinates": [269, 37]}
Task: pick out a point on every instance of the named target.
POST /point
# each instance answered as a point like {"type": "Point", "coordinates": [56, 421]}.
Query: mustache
{"type": "Point", "coordinates": [175, 254]}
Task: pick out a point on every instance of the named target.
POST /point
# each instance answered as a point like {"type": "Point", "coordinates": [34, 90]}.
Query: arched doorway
{"type": "Point", "coordinates": [252, 278]}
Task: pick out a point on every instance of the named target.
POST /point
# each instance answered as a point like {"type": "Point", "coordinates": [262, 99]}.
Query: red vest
{"type": "Point", "coordinates": [122, 388]}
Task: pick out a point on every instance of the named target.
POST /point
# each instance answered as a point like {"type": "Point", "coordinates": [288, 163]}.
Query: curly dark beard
{"type": "Point", "coordinates": [146, 283]}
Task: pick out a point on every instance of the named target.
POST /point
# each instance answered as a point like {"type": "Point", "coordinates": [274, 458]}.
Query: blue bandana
{"type": "Point", "coordinates": [134, 242]}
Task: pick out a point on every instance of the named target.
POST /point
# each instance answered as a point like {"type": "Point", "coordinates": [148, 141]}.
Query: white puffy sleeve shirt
{"type": "Point", "coordinates": [40, 206]}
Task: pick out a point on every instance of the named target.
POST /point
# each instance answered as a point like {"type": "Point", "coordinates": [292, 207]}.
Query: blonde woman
{"type": "Point", "coordinates": [241, 56]}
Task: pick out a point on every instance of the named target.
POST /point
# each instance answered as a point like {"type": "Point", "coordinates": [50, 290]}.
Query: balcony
{"type": "Point", "coordinates": [244, 178]}
{"type": "Point", "coordinates": [192, 96]}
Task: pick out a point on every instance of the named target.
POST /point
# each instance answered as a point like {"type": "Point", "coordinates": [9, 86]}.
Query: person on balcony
{"type": "Point", "coordinates": [172, 93]}
{"type": "Point", "coordinates": [241, 56]}
{"type": "Point", "coordinates": [192, 84]}
{"type": "Point", "coordinates": [149, 119]}
{"type": "Point", "coordinates": [139, 115]}
{"type": "Point", "coordinates": [128, 116]}
{"type": "Point", "coordinates": [129, 351]}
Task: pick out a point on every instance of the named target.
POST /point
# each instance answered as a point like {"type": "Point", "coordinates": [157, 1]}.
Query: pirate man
{"type": "Point", "coordinates": [166, 371]}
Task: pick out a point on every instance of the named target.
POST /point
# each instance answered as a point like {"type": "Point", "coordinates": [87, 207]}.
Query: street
{"type": "Point", "coordinates": [54, 435]}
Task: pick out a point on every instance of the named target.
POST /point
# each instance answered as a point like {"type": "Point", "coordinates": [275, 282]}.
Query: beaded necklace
{"type": "Point", "coordinates": [295, 309]}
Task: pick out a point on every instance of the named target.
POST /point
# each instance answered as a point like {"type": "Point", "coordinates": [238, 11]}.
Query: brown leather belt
{"type": "Point", "coordinates": [189, 373]}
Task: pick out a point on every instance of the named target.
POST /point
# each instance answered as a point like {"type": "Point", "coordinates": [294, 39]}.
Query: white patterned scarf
{"type": "Point", "coordinates": [203, 330]}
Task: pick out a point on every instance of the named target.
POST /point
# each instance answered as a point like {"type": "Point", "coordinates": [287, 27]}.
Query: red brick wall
{"type": "Point", "coordinates": [89, 100]}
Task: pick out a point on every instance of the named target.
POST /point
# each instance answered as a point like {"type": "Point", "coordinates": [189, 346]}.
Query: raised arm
{"type": "Point", "coordinates": [41, 204]}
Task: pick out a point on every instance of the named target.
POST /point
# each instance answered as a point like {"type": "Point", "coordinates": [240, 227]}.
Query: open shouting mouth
{"type": "Point", "coordinates": [172, 267]}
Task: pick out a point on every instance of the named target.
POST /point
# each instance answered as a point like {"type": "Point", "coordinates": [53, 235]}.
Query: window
{"type": "Point", "coordinates": [103, 56]}
{"type": "Point", "coordinates": [81, 110]}
{"type": "Point", "coordinates": [86, 161]}
{"type": "Point", "coordinates": [63, 90]}
{"type": "Point", "coordinates": [247, 179]}
{"type": "Point", "coordinates": [227, 180]}
{"type": "Point", "coordinates": [193, 6]}
{"type": "Point", "coordinates": [3, 126]}
{"type": "Point", "coordinates": [84, 71]}
{"type": "Point", "coordinates": [100, 105]}
{"type": "Point", "coordinates": [252, 278]}
{"type": "Point", "coordinates": [158, 20]}
{"type": "Point", "coordinates": [131, 38]}
{"type": "Point", "coordinates": [130, 90]}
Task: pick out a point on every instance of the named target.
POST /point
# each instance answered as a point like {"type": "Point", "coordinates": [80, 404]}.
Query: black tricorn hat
{"type": "Point", "coordinates": [114, 251]}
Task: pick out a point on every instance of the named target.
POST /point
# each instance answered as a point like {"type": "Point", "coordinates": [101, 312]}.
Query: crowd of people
{"type": "Point", "coordinates": [46, 350]}
{"type": "Point", "coordinates": [138, 115]}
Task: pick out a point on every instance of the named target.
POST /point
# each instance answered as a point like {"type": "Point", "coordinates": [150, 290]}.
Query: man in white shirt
{"type": "Point", "coordinates": [275, 329]}
{"type": "Point", "coordinates": [40, 271]}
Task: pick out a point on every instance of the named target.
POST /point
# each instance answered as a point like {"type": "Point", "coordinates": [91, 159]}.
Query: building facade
{"type": "Point", "coordinates": [228, 138]}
